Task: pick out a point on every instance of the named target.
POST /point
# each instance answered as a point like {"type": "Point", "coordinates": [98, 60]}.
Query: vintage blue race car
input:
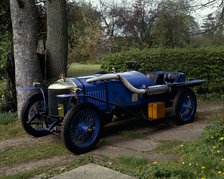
{"type": "Point", "coordinates": [79, 107]}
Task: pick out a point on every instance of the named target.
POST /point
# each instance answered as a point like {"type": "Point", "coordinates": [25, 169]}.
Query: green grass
{"type": "Point", "coordinates": [133, 161]}
{"type": "Point", "coordinates": [77, 69]}
{"type": "Point", "coordinates": [10, 126]}
{"type": "Point", "coordinates": [170, 146]}
{"type": "Point", "coordinates": [31, 152]}
{"type": "Point", "coordinates": [6, 118]}
{"type": "Point", "coordinates": [140, 167]}
{"type": "Point", "coordinates": [11, 130]}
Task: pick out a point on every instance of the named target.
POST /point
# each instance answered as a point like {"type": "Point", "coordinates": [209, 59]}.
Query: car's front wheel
{"type": "Point", "coordinates": [82, 127]}
{"type": "Point", "coordinates": [32, 119]}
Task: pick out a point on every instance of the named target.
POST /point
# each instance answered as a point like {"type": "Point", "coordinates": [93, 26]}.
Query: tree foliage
{"type": "Point", "coordinates": [5, 34]}
{"type": "Point", "coordinates": [139, 22]}
{"type": "Point", "coordinates": [151, 23]}
{"type": "Point", "coordinates": [174, 24]}
{"type": "Point", "coordinates": [5, 23]}
{"type": "Point", "coordinates": [84, 32]}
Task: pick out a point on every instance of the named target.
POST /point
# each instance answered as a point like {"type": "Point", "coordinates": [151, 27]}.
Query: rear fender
{"type": "Point", "coordinates": [187, 83]}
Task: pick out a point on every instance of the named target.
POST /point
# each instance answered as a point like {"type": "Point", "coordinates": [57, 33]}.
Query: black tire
{"type": "Point", "coordinates": [32, 107]}
{"type": "Point", "coordinates": [184, 106]}
{"type": "Point", "coordinates": [82, 128]}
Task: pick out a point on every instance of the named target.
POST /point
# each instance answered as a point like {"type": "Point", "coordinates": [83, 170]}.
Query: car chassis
{"type": "Point", "coordinates": [79, 107]}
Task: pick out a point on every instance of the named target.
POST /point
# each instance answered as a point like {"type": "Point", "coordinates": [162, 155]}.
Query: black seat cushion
{"type": "Point", "coordinates": [161, 77]}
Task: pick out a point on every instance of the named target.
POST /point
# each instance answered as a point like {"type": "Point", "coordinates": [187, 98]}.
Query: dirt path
{"type": "Point", "coordinates": [115, 143]}
{"type": "Point", "coordinates": [54, 161]}
{"type": "Point", "coordinates": [24, 141]}
{"type": "Point", "coordinates": [155, 133]}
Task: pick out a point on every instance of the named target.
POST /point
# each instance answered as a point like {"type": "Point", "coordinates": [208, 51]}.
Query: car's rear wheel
{"type": "Point", "coordinates": [81, 129]}
{"type": "Point", "coordinates": [184, 106]}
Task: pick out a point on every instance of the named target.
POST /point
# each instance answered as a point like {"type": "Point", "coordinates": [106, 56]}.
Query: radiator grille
{"type": "Point", "coordinates": [53, 100]}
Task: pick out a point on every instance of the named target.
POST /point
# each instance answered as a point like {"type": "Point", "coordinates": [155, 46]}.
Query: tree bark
{"type": "Point", "coordinates": [27, 66]}
{"type": "Point", "coordinates": [57, 39]}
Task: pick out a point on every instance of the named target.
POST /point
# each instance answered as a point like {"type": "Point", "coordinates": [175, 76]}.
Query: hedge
{"type": "Point", "coordinates": [197, 63]}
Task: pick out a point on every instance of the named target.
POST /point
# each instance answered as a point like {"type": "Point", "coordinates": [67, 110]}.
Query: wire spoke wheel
{"type": "Point", "coordinates": [32, 120]}
{"type": "Point", "coordinates": [81, 128]}
{"type": "Point", "coordinates": [84, 128]}
{"type": "Point", "coordinates": [185, 105]}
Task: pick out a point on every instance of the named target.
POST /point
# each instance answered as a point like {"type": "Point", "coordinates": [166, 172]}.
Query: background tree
{"type": "Point", "coordinates": [57, 39]}
{"type": "Point", "coordinates": [174, 24]}
{"type": "Point", "coordinates": [140, 21]}
{"type": "Point", "coordinates": [84, 32]}
{"type": "Point", "coordinates": [130, 25]}
{"type": "Point", "coordinates": [27, 66]}
{"type": "Point", "coordinates": [209, 28]}
{"type": "Point", "coordinates": [212, 30]}
{"type": "Point", "coordinates": [136, 22]}
{"type": "Point", "coordinates": [111, 16]}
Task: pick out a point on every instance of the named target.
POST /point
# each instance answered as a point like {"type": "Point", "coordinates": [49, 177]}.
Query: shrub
{"type": "Point", "coordinates": [201, 63]}
{"type": "Point", "coordinates": [5, 41]}
{"type": "Point", "coordinates": [7, 118]}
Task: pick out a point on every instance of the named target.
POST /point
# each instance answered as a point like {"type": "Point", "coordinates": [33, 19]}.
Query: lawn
{"type": "Point", "coordinates": [10, 126]}
{"type": "Point", "coordinates": [77, 69]}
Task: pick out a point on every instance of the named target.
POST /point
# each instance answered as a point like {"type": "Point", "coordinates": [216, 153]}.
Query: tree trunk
{"type": "Point", "coordinates": [27, 66]}
{"type": "Point", "coordinates": [57, 39]}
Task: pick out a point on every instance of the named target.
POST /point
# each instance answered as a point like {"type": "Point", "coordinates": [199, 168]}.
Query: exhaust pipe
{"type": "Point", "coordinates": [103, 77]}
{"type": "Point", "coordinates": [151, 90]}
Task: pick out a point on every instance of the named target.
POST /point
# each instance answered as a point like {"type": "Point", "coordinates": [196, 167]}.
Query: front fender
{"type": "Point", "coordinates": [37, 88]}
